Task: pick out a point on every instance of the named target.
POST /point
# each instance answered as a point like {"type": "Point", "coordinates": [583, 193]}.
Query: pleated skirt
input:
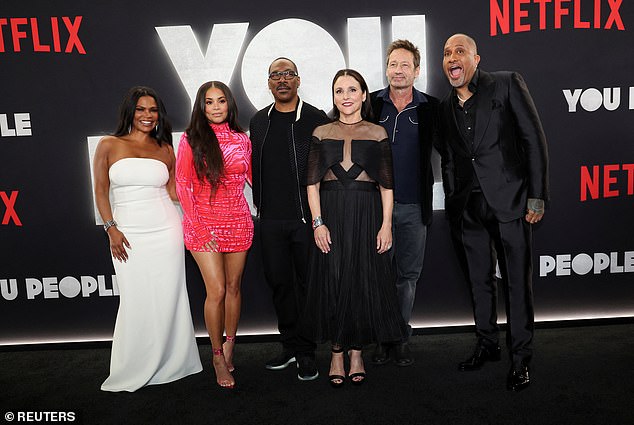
{"type": "Point", "coordinates": [351, 292]}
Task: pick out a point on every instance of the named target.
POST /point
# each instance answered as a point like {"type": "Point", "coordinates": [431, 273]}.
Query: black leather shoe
{"type": "Point", "coordinates": [481, 355]}
{"type": "Point", "coordinates": [381, 354]}
{"type": "Point", "coordinates": [518, 378]}
{"type": "Point", "coordinates": [402, 355]}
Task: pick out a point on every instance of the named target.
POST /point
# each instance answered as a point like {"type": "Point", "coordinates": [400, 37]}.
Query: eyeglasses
{"type": "Point", "coordinates": [288, 75]}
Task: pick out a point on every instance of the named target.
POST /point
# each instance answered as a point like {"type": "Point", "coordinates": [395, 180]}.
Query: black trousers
{"type": "Point", "coordinates": [480, 240]}
{"type": "Point", "coordinates": [285, 249]}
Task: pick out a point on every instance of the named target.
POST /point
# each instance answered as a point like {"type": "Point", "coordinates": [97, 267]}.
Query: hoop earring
{"type": "Point", "coordinates": [156, 128]}
{"type": "Point", "coordinates": [129, 128]}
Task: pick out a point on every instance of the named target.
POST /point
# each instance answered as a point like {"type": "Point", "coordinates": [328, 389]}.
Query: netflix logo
{"type": "Point", "coordinates": [606, 181]}
{"type": "Point", "coordinates": [527, 15]}
{"type": "Point", "coordinates": [10, 215]}
{"type": "Point", "coordinates": [59, 35]}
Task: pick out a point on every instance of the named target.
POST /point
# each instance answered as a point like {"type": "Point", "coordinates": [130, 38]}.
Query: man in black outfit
{"type": "Point", "coordinates": [281, 134]}
{"type": "Point", "coordinates": [495, 176]}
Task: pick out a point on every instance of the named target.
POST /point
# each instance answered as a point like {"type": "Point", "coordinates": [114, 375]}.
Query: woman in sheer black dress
{"type": "Point", "coordinates": [351, 294]}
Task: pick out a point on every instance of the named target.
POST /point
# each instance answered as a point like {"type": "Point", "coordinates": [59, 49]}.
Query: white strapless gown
{"type": "Point", "coordinates": [154, 340]}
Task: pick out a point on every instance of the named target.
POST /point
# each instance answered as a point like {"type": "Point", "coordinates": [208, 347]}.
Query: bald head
{"type": "Point", "coordinates": [465, 40]}
{"type": "Point", "coordinates": [460, 60]}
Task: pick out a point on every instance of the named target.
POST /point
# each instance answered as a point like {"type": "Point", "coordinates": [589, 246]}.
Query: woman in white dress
{"type": "Point", "coordinates": [153, 340]}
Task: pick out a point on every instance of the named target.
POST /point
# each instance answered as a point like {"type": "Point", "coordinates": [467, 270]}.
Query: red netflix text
{"type": "Point", "coordinates": [600, 181]}
{"type": "Point", "coordinates": [10, 214]}
{"type": "Point", "coordinates": [43, 35]}
{"type": "Point", "coordinates": [522, 15]}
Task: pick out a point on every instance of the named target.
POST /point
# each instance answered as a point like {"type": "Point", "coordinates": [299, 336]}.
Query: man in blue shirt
{"type": "Point", "coordinates": [410, 118]}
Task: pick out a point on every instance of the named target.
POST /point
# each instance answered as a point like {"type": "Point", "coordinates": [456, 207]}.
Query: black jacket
{"type": "Point", "coordinates": [428, 137]}
{"type": "Point", "coordinates": [509, 154]}
{"type": "Point", "coordinates": [299, 137]}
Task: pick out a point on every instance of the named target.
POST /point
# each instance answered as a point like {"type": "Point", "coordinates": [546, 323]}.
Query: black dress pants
{"type": "Point", "coordinates": [285, 249]}
{"type": "Point", "coordinates": [480, 239]}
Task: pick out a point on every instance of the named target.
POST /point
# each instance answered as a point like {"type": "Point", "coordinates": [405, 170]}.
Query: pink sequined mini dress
{"type": "Point", "coordinates": [225, 217]}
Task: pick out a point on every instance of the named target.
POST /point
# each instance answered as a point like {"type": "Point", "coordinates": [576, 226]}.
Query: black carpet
{"type": "Point", "coordinates": [581, 375]}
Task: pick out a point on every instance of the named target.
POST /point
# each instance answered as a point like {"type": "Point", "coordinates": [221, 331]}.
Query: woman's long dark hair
{"type": "Point", "coordinates": [366, 108]}
{"type": "Point", "coordinates": [163, 131]}
{"type": "Point", "coordinates": [208, 161]}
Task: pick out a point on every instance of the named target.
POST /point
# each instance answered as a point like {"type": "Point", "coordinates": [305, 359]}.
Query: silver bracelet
{"type": "Point", "coordinates": [108, 224]}
{"type": "Point", "coordinates": [317, 221]}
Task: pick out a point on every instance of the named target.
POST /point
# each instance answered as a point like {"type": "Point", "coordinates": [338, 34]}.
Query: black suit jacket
{"type": "Point", "coordinates": [509, 154]}
{"type": "Point", "coordinates": [429, 127]}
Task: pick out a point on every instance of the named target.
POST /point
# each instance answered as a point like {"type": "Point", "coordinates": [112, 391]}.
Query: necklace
{"type": "Point", "coordinates": [350, 123]}
{"type": "Point", "coordinates": [461, 99]}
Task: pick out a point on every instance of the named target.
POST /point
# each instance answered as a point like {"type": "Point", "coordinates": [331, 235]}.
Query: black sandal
{"type": "Point", "coordinates": [360, 375]}
{"type": "Point", "coordinates": [337, 381]}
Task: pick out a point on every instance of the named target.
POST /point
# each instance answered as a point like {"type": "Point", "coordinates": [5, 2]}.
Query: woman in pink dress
{"type": "Point", "coordinates": [212, 164]}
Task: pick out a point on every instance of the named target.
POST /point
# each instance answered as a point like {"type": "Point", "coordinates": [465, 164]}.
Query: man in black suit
{"type": "Point", "coordinates": [495, 176]}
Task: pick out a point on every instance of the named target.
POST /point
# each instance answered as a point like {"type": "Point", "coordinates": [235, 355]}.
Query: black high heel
{"type": "Point", "coordinates": [337, 381]}
{"type": "Point", "coordinates": [359, 375]}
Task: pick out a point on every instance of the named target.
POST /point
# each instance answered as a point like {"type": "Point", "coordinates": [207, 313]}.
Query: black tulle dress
{"type": "Point", "coordinates": [351, 299]}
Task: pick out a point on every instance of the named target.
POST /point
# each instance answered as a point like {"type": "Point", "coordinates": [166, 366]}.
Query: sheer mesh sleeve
{"type": "Point", "coordinates": [323, 154]}
{"type": "Point", "coordinates": [313, 171]}
{"type": "Point", "coordinates": [384, 172]}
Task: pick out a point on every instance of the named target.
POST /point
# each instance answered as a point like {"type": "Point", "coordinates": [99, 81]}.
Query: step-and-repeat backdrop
{"type": "Point", "coordinates": [65, 67]}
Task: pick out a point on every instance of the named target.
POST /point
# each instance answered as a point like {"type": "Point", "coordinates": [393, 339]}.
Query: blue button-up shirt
{"type": "Point", "coordinates": [402, 129]}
